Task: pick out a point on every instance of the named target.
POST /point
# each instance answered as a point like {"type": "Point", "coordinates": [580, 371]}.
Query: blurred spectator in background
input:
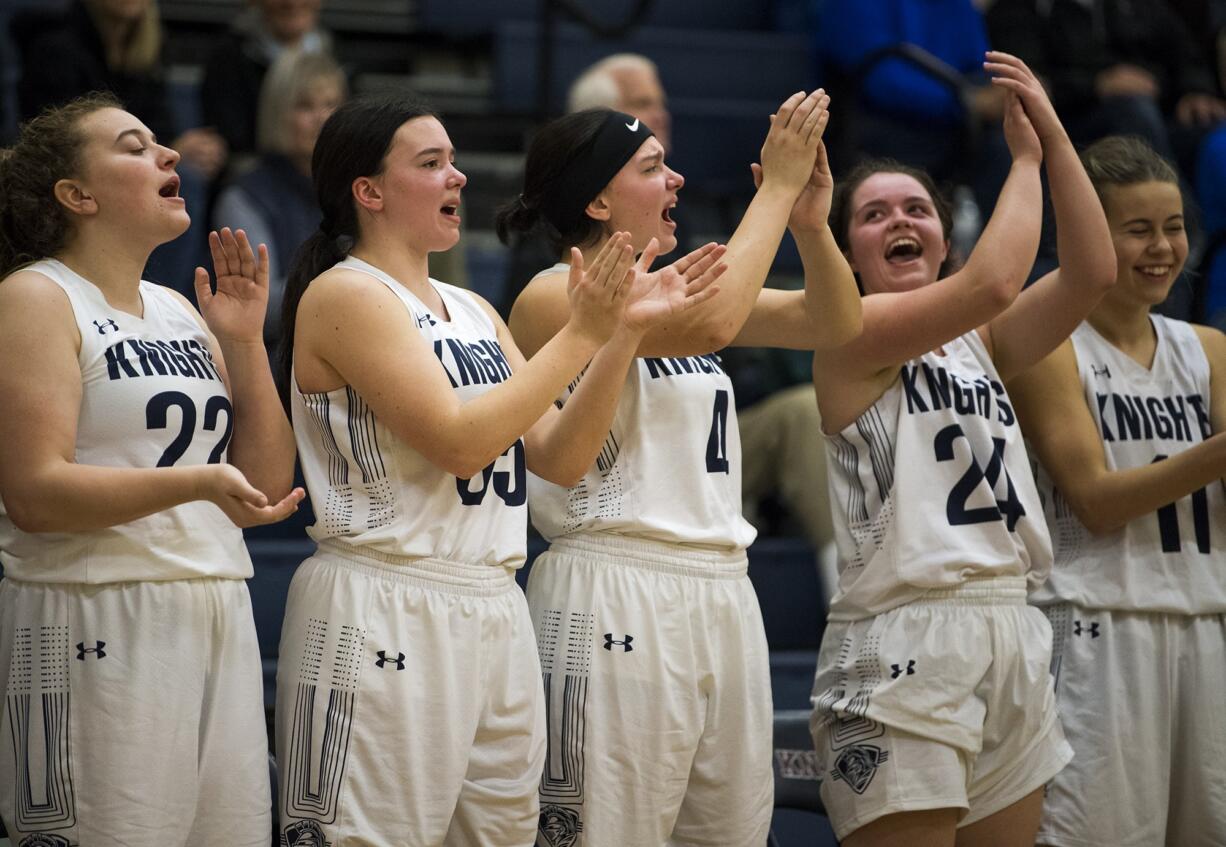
{"type": "Point", "coordinates": [946, 123]}
{"type": "Point", "coordinates": [116, 46]}
{"type": "Point", "coordinates": [1116, 67]}
{"type": "Point", "coordinates": [274, 202]}
{"type": "Point", "coordinates": [629, 83]}
{"type": "Point", "coordinates": [235, 69]}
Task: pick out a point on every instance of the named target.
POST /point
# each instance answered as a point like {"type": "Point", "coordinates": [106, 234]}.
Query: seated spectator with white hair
{"type": "Point", "coordinates": [626, 82]}
{"type": "Point", "coordinates": [275, 201]}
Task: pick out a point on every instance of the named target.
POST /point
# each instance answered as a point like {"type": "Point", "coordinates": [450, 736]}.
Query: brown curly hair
{"type": "Point", "coordinates": [33, 224]}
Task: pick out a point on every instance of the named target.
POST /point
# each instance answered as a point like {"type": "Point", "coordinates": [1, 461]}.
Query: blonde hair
{"type": "Point", "coordinates": [596, 87]}
{"type": "Point", "coordinates": [288, 80]}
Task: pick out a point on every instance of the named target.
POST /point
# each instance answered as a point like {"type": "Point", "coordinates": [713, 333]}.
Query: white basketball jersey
{"type": "Point", "coordinates": [151, 397]}
{"type": "Point", "coordinates": [670, 469]}
{"type": "Point", "coordinates": [932, 486]}
{"type": "Point", "coordinates": [371, 490]}
{"type": "Point", "coordinates": [1168, 561]}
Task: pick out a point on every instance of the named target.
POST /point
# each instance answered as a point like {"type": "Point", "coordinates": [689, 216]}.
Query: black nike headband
{"type": "Point", "coordinates": [594, 165]}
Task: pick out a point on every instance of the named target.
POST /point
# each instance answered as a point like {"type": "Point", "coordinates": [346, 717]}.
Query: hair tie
{"type": "Point", "coordinates": [343, 243]}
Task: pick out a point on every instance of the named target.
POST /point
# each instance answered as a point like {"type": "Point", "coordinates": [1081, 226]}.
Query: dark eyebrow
{"type": "Point", "coordinates": [433, 151]}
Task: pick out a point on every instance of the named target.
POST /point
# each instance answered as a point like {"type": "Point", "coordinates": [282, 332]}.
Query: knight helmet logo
{"type": "Point", "coordinates": [857, 765]}
{"type": "Point", "coordinates": [559, 826]}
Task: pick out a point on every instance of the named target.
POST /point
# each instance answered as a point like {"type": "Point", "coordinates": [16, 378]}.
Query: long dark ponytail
{"type": "Point", "coordinates": [352, 143]}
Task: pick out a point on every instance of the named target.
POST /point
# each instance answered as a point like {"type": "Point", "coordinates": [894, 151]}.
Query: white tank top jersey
{"type": "Point", "coordinates": [670, 468]}
{"type": "Point", "coordinates": [151, 396]}
{"type": "Point", "coordinates": [371, 490]}
{"type": "Point", "coordinates": [932, 486]}
{"type": "Point", "coordinates": [1171, 560]}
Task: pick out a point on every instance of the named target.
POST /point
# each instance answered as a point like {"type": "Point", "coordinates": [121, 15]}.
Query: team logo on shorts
{"type": "Point", "coordinates": [304, 834]}
{"type": "Point", "coordinates": [857, 765]}
{"type": "Point", "coordinates": [560, 826]}
{"type": "Point", "coordinates": [43, 839]}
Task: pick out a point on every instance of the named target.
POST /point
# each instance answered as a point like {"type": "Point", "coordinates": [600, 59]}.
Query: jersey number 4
{"type": "Point", "coordinates": [1009, 509]}
{"type": "Point", "coordinates": [717, 441]}
{"type": "Point", "coordinates": [156, 418]}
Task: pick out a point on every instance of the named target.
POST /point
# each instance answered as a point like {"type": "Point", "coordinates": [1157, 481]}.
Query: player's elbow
{"type": "Point", "coordinates": [29, 516]}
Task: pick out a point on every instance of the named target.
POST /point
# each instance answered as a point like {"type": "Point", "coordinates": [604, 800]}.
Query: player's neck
{"type": "Point", "coordinates": [112, 265]}
{"type": "Point", "coordinates": [1125, 324]}
{"type": "Point", "coordinates": [407, 266]}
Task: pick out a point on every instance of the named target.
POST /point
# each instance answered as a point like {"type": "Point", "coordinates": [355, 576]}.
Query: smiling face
{"type": "Point", "coordinates": [128, 178]}
{"type": "Point", "coordinates": [420, 186]}
{"type": "Point", "coordinates": [895, 238]}
{"type": "Point", "coordinates": [640, 199]}
{"type": "Point", "coordinates": [1151, 244]}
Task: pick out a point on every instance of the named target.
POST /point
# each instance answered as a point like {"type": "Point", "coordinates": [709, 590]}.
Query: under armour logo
{"type": "Point", "coordinates": [106, 326]}
{"type": "Point", "coordinates": [97, 650]}
{"type": "Point", "coordinates": [634, 127]}
{"type": "Point", "coordinates": [1101, 370]}
{"type": "Point", "coordinates": [425, 320]}
{"type": "Point", "coordinates": [899, 670]}
{"type": "Point", "coordinates": [384, 659]}
{"type": "Point", "coordinates": [1092, 628]}
{"type": "Point", "coordinates": [624, 644]}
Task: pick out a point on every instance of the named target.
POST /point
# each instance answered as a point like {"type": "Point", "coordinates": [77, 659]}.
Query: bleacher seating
{"type": "Point", "coordinates": [697, 64]}
{"type": "Point", "coordinates": [480, 18]}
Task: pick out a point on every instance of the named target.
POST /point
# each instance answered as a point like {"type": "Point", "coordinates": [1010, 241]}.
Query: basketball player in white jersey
{"type": "Point", "coordinates": [136, 439]}
{"type": "Point", "coordinates": [1125, 419]}
{"type": "Point", "coordinates": [409, 702]}
{"type": "Point", "coordinates": [934, 717]}
{"type": "Point", "coordinates": [651, 640]}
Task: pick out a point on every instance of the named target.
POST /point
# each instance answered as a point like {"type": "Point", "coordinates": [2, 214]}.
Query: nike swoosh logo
{"type": "Point", "coordinates": [634, 127]}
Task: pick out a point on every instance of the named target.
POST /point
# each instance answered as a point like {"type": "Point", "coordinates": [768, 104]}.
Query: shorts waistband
{"type": "Point", "coordinates": [477, 580]}
{"type": "Point", "coordinates": [979, 591]}
{"type": "Point", "coordinates": [659, 556]}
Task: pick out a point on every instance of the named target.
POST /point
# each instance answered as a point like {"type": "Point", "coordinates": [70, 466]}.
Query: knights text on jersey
{"type": "Point", "coordinates": [371, 490]}
{"type": "Point", "coordinates": [931, 485]}
{"type": "Point", "coordinates": [670, 469]}
{"type": "Point", "coordinates": [1173, 559]}
{"type": "Point", "coordinates": [151, 396]}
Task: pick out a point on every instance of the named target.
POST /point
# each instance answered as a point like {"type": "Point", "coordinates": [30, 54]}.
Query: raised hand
{"type": "Point", "coordinates": [235, 311]}
{"type": "Point", "coordinates": [811, 211]}
{"type": "Point", "coordinates": [655, 295]}
{"type": "Point", "coordinates": [243, 504]}
{"type": "Point", "coordinates": [791, 144]}
{"type": "Point", "coordinates": [1020, 134]}
{"type": "Point", "coordinates": [1012, 74]}
{"type": "Point", "coordinates": [598, 294]}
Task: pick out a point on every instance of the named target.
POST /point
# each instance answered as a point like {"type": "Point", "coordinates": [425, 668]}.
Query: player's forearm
{"type": "Point", "coordinates": [262, 446]}
{"type": "Point", "coordinates": [67, 497]}
{"type": "Point", "coordinates": [831, 297]}
{"type": "Point", "coordinates": [566, 446]}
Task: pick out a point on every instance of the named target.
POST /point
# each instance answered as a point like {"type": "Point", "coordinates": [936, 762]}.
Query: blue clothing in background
{"type": "Point", "coordinates": [952, 30]}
